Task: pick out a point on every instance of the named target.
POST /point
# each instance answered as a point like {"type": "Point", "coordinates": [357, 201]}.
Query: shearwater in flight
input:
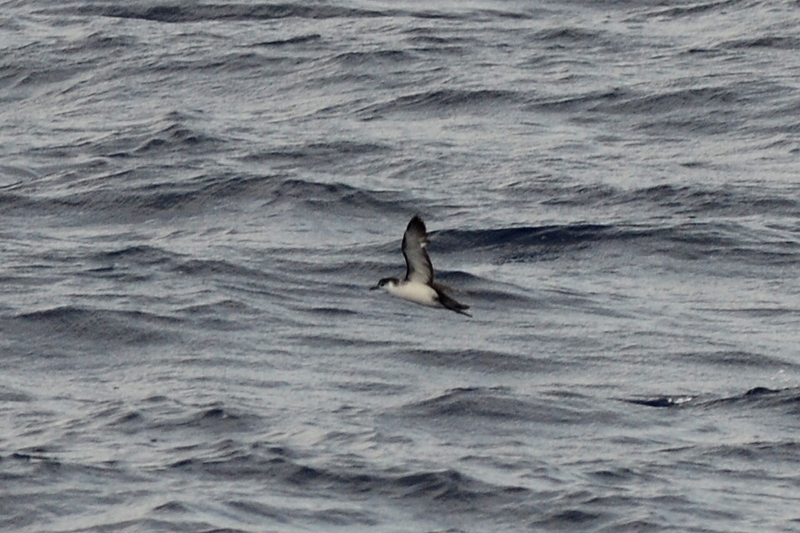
{"type": "Point", "coordinates": [418, 285]}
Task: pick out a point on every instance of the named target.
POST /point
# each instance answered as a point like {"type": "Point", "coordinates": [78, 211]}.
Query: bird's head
{"type": "Point", "coordinates": [385, 283]}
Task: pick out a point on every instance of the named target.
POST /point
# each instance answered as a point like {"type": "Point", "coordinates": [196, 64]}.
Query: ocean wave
{"type": "Point", "coordinates": [99, 326]}
{"type": "Point", "coordinates": [138, 254]}
{"type": "Point", "coordinates": [723, 201]}
{"type": "Point", "coordinates": [497, 404]}
{"type": "Point", "coordinates": [450, 487]}
{"type": "Point", "coordinates": [215, 419]}
{"type": "Point", "coordinates": [777, 42]}
{"type": "Point", "coordinates": [319, 152]}
{"type": "Point", "coordinates": [785, 400]}
{"type": "Point", "coordinates": [519, 237]}
{"type": "Point", "coordinates": [657, 111]}
{"type": "Point", "coordinates": [573, 37]}
{"type": "Point", "coordinates": [171, 138]}
{"type": "Point", "coordinates": [197, 195]}
{"type": "Point", "coordinates": [579, 102]}
{"type": "Point", "coordinates": [772, 453]}
{"type": "Point", "coordinates": [703, 98]}
{"type": "Point", "coordinates": [483, 360]}
{"type": "Point", "coordinates": [371, 58]}
{"type": "Point", "coordinates": [298, 39]}
{"type": "Point", "coordinates": [445, 101]}
{"type": "Point", "coordinates": [684, 240]}
{"type": "Point", "coordinates": [173, 13]}
{"type": "Point", "coordinates": [691, 10]}
{"type": "Point", "coordinates": [12, 394]}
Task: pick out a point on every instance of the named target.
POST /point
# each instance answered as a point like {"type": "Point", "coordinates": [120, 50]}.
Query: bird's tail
{"type": "Point", "coordinates": [453, 305]}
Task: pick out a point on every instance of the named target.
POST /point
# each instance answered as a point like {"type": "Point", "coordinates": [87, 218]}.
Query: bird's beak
{"type": "Point", "coordinates": [376, 287]}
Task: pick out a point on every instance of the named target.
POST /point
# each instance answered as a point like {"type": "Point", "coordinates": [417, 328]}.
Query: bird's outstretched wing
{"type": "Point", "coordinates": [418, 264]}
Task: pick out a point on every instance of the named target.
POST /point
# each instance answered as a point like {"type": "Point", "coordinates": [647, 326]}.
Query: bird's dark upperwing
{"type": "Point", "coordinates": [418, 264]}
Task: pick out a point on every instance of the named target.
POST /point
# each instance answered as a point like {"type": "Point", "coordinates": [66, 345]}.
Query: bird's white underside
{"type": "Point", "coordinates": [414, 291]}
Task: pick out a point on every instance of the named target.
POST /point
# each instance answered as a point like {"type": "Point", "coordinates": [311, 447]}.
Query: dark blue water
{"type": "Point", "coordinates": [195, 198]}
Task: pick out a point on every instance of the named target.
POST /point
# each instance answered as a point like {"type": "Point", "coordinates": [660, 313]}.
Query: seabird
{"type": "Point", "coordinates": [418, 285]}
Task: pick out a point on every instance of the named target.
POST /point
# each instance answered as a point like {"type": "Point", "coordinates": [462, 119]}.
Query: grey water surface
{"type": "Point", "coordinates": [196, 196]}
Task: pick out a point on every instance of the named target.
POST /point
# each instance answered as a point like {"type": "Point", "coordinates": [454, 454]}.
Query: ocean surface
{"type": "Point", "coordinates": [195, 198]}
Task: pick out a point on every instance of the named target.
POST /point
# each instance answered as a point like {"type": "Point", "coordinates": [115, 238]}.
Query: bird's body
{"type": "Point", "coordinates": [414, 291]}
{"type": "Point", "coordinates": [418, 285]}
